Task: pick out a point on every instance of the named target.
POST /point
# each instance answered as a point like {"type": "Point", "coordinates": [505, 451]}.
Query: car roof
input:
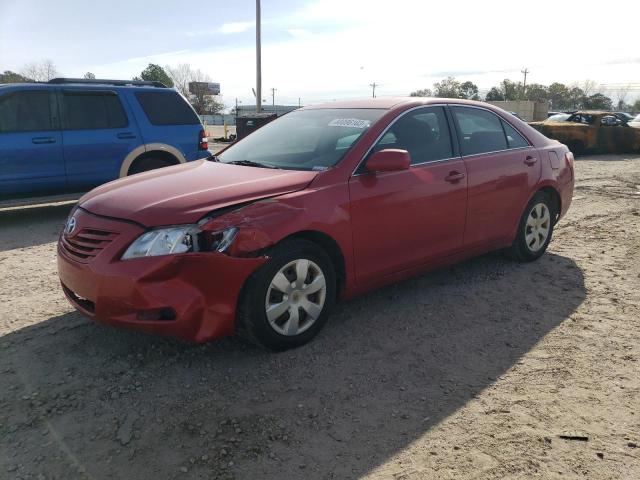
{"type": "Point", "coordinates": [80, 86]}
{"type": "Point", "coordinates": [388, 103]}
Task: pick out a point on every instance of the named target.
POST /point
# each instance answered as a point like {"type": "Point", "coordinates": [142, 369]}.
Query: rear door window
{"type": "Point", "coordinates": [92, 110]}
{"type": "Point", "coordinates": [167, 108]}
{"type": "Point", "coordinates": [27, 111]}
{"type": "Point", "coordinates": [480, 131]}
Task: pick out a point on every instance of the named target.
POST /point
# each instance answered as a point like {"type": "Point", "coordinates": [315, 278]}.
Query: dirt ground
{"type": "Point", "coordinates": [475, 371]}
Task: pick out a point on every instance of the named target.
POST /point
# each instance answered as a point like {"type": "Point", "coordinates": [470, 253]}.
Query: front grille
{"type": "Point", "coordinates": [86, 244]}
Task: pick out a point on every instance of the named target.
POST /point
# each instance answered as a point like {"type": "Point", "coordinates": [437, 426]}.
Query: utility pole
{"type": "Point", "coordinates": [299, 102]}
{"type": "Point", "coordinates": [273, 97]}
{"type": "Point", "coordinates": [524, 84]}
{"type": "Point", "coordinates": [373, 86]}
{"type": "Point", "coordinates": [258, 61]}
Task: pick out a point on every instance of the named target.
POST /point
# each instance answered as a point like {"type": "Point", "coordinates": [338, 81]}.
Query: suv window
{"type": "Point", "coordinates": [514, 139]}
{"type": "Point", "coordinates": [167, 108]}
{"type": "Point", "coordinates": [85, 110]}
{"type": "Point", "coordinates": [480, 131]}
{"type": "Point", "coordinates": [424, 133]}
{"type": "Point", "coordinates": [26, 111]}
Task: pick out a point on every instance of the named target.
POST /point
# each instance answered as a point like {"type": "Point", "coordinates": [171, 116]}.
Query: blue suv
{"type": "Point", "coordinates": [70, 135]}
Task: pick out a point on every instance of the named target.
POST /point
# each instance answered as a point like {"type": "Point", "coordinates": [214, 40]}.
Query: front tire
{"type": "Point", "coordinates": [286, 302]}
{"type": "Point", "coordinates": [534, 229]}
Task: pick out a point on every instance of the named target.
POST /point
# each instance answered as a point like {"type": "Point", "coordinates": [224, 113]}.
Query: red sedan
{"type": "Point", "coordinates": [326, 202]}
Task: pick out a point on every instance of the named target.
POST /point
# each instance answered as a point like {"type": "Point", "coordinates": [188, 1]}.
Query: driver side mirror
{"type": "Point", "coordinates": [389, 160]}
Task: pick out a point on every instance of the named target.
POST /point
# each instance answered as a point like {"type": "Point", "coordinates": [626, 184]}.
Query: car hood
{"type": "Point", "coordinates": [185, 193]}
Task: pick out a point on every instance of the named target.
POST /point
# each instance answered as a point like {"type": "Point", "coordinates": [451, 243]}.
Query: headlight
{"type": "Point", "coordinates": [179, 239]}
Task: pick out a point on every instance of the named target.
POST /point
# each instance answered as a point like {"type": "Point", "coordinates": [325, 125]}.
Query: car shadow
{"type": "Point", "coordinates": [389, 366]}
{"type": "Point", "coordinates": [31, 226]}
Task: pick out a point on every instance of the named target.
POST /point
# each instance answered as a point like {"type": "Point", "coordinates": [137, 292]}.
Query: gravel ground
{"type": "Point", "coordinates": [475, 371]}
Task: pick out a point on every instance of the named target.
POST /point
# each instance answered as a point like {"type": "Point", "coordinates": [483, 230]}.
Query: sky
{"type": "Point", "coordinates": [324, 50]}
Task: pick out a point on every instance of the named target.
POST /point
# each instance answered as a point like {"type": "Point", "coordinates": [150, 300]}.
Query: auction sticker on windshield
{"type": "Point", "coordinates": [349, 122]}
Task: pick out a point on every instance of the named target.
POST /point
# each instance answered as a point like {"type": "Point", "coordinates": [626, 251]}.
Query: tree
{"type": "Point", "coordinates": [558, 94]}
{"type": "Point", "coordinates": [425, 92]}
{"type": "Point", "coordinates": [12, 77]}
{"type": "Point", "coordinates": [598, 101]}
{"type": "Point", "coordinates": [469, 90]}
{"type": "Point", "coordinates": [588, 87]}
{"type": "Point", "coordinates": [511, 90]}
{"type": "Point", "coordinates": [155, 73]}
{"type": "Point", "coordinates": [181, 75]}
{"type": "Point", "coordinates": [636, 106]}
{"type": "Point", "coordinates": [447, 88]}
{"type": "Point", "coordinates": [201, 101]}
{"type": "Point", "coordinates": [42, 71]}
{"type": "Point", "coordinates": [89, 76]}
{"type": "Point", "coordinates": [494, 95]}
{"type": "Point", "coordinates": [537, 92]}
{"type": "Point", "coordinates": [575, 98]}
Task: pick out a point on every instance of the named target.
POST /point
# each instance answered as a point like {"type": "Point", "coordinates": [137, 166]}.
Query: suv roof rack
{"type": "Point", "coordinates": [99, 81]}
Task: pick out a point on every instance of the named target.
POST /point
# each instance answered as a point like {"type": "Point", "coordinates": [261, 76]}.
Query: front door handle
{"type": "Point", "coordinates": [530, 160]}
{"type": "Point", "coordinates": [39, 140]}
{"type": "Point", "coordinates": [454, 177]}
{"type": "Point", "coordinates": [126, 135]}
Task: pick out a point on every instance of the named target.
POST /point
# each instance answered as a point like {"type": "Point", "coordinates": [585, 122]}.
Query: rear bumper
{"type": "Point", "coordinates": [200, 290]}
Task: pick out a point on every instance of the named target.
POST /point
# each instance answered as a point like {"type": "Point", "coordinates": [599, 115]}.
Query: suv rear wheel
{"type": "Point", "coordinates": [146, 164]}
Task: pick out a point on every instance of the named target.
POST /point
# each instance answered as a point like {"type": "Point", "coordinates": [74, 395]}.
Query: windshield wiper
{"type": "Point", "coordinates": [250, 163]}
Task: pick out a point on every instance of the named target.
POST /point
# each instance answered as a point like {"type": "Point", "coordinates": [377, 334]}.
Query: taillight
{"type": "Point", "coordinates": [569, 159]}
{"type": "Point", "coordinates": [203, 141]}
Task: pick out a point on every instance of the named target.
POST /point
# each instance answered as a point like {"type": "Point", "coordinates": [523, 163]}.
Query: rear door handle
{"type": "Point", "coordinates": [454, 177]}
{"type": "Point", "coordinates": [530, 160]}
{"type": "Point", "coordinates": [126, 135]}
{"type": "Point", "coordinates": [39, 140]}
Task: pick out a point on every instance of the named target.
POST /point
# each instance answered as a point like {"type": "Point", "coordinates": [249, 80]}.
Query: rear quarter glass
{"type": "Point", "coordinates": [167, 108]}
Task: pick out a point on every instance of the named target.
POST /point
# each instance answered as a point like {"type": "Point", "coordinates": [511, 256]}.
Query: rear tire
{"type": "Point", "coordinates": [278, 309]}
{"type": "Point", "coordinates": [146, 164]}
{"type": "Point", "coordinates": [534, 229]}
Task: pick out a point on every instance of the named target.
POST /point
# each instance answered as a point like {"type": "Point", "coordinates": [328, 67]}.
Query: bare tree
{"type": "Point", "coordinates": [589, 87]}
{"type": "Point", "coordinates": [181, 75]}
{"type": "Point", "coordinates": [42, 71]}
{"type": "Point", "coordinates": [89, 76]}
{"type": "Point", "coordinates": [623, 93]}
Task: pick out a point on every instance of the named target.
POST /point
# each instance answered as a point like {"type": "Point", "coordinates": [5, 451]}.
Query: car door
{"type": "Point", "coordinates": [402, 219]}
{"type": "Point", "coordinates": [97, 136]}
{"type": "Point", "coordinates": [502, 169]}
{"type": "Point", "coordinates": [31, 159]}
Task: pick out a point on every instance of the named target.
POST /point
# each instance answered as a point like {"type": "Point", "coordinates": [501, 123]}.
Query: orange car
{"type": "Point", "coordinates": [592, 132]}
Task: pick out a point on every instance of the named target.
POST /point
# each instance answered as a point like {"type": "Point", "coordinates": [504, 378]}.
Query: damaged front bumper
{"type": "Point", "coordinates": [192, 296]}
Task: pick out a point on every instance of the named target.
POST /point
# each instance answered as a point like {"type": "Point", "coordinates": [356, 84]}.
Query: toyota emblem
{"type": "Point", "coordinates": [70, 226]}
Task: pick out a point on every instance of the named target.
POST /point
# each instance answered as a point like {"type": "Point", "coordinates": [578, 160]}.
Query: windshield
{"type": "Point", "coordinates": [304, 139]}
